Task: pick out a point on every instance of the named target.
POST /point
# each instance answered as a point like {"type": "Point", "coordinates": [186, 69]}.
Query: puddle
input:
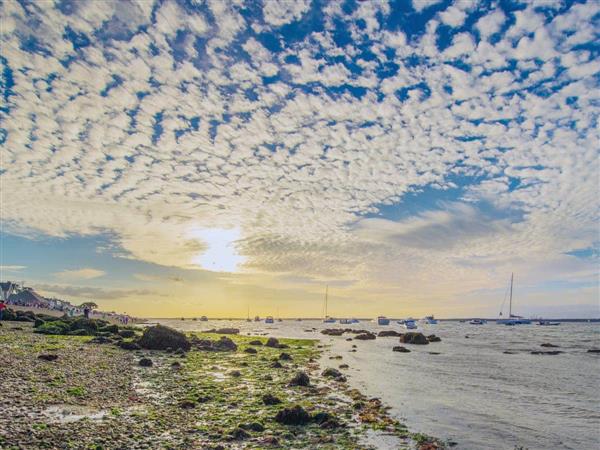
{"type": "Point", "coordinates": [73, 413]}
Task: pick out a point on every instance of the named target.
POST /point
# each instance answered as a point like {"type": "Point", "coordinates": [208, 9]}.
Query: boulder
{"type": "Point", "coordinates": [272, 342]}
{"type": "Point", "coordinates": [292, 416]}
{"type": "Point", "coordinates": [270, 399]}
{"type": "Point", "coordinates": [225, 345]}
{"type": "Point", "coordinates": [160, 337]}
{"type": "Point", "coordinates": [145, 362]}
{"type": "Point", "coordinates": [300, 379]}
{"type": "Point", "coordinates": [365, 337]}
{"type": "Point", "coordinates": [414, 338]}
{"type": "Point", "coordinates": [331, 373]}
{"type": "Point", "coordinates": [389, 333]}
{"type": "Point", "coordinates": [400, 349]}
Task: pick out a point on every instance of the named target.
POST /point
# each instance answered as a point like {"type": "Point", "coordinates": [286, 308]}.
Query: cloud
{"type": "Point", "coordinates": [80, 274]}
{"type": "Point", "coordinates": [153, 121]}
{"type": "Point", "coordinates": [13, 268]}
{"type": "Point", "coordinates": [90, 293]}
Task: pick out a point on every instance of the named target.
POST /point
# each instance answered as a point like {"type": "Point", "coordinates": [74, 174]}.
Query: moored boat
{"type": "Point", "coordinates": [430, 320]}
{"type": "Point", "coordinates": [203, 319]}
{"type": "Point", "coordinates": [409, 324]}
{"type": "Point", "coordinates": [477, 322]}
{"type": "Point", "coordinates": [512, 318]}
{"type": "Point", "coordinates": [548, 323]}
{"type": "Point", "coordinates": [382, 320]}
{"type": "Point", "coordinates": [269, 319]}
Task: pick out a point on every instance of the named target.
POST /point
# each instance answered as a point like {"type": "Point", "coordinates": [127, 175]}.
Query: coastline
{"type": "Point", "coordinates": [98, 396]}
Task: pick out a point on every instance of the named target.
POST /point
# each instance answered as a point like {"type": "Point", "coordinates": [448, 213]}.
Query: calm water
{"type": "Point", "coordinates": [472, 393]}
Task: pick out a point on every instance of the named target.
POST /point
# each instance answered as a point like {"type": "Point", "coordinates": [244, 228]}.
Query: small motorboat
{"type": "Point", "coordinates": [548, 323]}
{"type": "Point", "coordinates": [203, 319]}
{"type": "Point", "coordinates": [430, 320]}
{"type": "Point", "coordinates": [409, 325]}
{"type": "Point", "coordinates": [382, 320]}
{"type": "Point", "coordinates": [269, 319]}
{"type": "Point", "coordinates": [477, 322]}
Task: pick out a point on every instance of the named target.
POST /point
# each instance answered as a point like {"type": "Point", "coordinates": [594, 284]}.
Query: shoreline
{"type": "Point", "coordinates": [98, 395]}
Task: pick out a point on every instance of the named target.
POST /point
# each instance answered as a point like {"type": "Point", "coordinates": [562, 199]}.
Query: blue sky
{"type": "Point", "coordinates": [412, 154]}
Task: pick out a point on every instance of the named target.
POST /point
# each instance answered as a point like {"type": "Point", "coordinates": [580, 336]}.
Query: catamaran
{"type": "Point", "coordinates": [327, 319]}
{"type": "Point", "coordinates": [512, 319]}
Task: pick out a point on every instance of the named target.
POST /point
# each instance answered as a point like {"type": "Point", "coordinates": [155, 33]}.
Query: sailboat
{"type": "Point", "coordinates": [327, 319]}
{"type": "Point", "coordinates": [512, 319]}
{"type": "Point", "coordinates": [248, 316]}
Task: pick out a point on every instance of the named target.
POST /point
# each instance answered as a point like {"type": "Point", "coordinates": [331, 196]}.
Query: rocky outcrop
{"type": "Point", "coordinates": [414, 338]}
{"type": "Point", "coordinates": [224, 344]}
{"type": "Point", "coordinates": [366, 336]}
{"type": "Point", "coordinates": [160, 337]}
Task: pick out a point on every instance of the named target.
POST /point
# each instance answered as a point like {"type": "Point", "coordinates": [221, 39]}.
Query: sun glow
{"type": "Point", "coordinates": [220, 254]}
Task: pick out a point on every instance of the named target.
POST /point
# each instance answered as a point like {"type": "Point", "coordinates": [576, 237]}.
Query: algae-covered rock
{"type": "Point", "coordinates": [48, 357]}
{"type": "Point", "coordinates": [400, 349]}
{"type": "Point", "coordinates": [270, 399]}
{"type": "Point", "coordinates": [255, 342]}
{"type": "Point", "coordinates": [160, 337]}
{"type": "Point", "coordinates": [56, 327]}
{"type": "Point", "coordinates": [272, 342]}
{"type": "Point", "coordinates": [300, 379]}
{"type": "Point", "coordinates": [90, 326]}
{"type": "Point", "coordinates": [127, 333]}
{"type": "Point", "coordinates": [414, 338]}
{"type": "Point", "coordinates": [146, 362]}
{"type": "Point", "coordinates": [114, 329]}
{"type": "Point", "coordinates": [129, 345]}
{"type": "Point", "coordinates": [365, 337]}
{"type": "Point", "coordinates": [293, 416]}
{"type": "Point", "coordinates": [330, 372]}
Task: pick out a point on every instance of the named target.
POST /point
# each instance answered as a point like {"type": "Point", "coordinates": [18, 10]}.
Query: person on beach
{"type": "Point", "coordinates": [2, 308]}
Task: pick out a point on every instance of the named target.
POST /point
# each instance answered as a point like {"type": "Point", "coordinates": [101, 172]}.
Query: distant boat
{"type": "Point", "coordinates": [257, 318]}
{"type": "Point", "coordinates": [269, 319]}
{"type": "Point", "coordinates": [279, 320]}
{"type": "Point", "coordinates": [327, 319]}
{"type": "Point", "coordinates": [430, 320]}
{"type": "Point", "coordinates": [409, 325]}
{"type": "Point", "coordinates": [382, 320]}
{"type": "Point", "coordinates": [548, 323]}
{"type": "Point", "coordinates": [248, 315]}
{"type": "Point", "coordinates": [353, 320]}
{"type": "Point", "coordinates": [477, 322]}
{"type": "Point", "coordinates": [203, 319]}
{"type": "Point", "coordinates": [512, 319]}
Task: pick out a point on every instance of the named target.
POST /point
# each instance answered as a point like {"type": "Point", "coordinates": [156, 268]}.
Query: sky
{"type": "Point", "coordinates": [201, 157]}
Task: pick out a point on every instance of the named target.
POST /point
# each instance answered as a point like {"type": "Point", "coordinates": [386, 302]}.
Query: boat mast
{"type": "Point", "coordinates": [510, 301]}
{"type": "Point", "coordinates": [326, 289]}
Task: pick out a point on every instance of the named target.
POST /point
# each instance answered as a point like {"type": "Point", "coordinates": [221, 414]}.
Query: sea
{"type": "Point", "coordinates": [465, 389]}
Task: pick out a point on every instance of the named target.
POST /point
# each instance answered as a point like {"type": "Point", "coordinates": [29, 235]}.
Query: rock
{"type": "Point", "coordinates": [551, 352]}
{"type": "Point", "coordinates": [81, 323]}
{"type": "Point", "coordinates": [331, 373]}
{"type": "Point", "coordinates": [353, 345]}
{"type": "Point", "coordinates": [549, 345]}
{"type": "Point", "coordinates": [434, 353]}
{"type": "Point", "coordinates": [255, 342]}
{"type": "Point", "coordinates": [336, 357]}
{"type": "Point", "coordinates": [272, 342]}
{"type": "Point", "coordinates": [187, 404]}
{"type": "Point", "coordinates": [389, 333]}
{"type": "Point", "coordinates": [179, 352]}
{"type": "Point", "coordinates": [48, 357]}
{"type": "Point", "coordinates": [414, 338]}
{"type": "Point", "coordinates": [56, 327]}
{"type": "Point", "coordinates": [224, 344]}
{"type": "Point", "coordinates": [270, 399]}
{"type": "Point", "coordinates": [593, 350]}
{"type": "Point", "coordinates": [348, 339]}
{"type": "Point", "coordinates": [434, 338]}
{"type": "Point", "coordinates": [365, 337]}
{"type": "Point", "coordinates": [466, 336]}
{"type": "Point", "coordinates": [145, 362]}
{"type": "Point", "coordinates": [508, 352]}
{"type": "Point", "coordinates": [325, 420]}
{"type": "Point", "coordinates": [276, 365]}
{"type": "Point", "coordinates": [160, 337]}
{"type": "Point", "coordinates": [113, 329]}
{"type": "Point", "coordinates": [235, 373]}
{"type": "Point", "coordinates": [129, 345]}
{"type": "Point", "coordinates": [300, 379]}
{"type": "Point", "coordinates": [292, 416]}
{"type": "Point", "coordinates": [100, 340]}
{"type": "Point", "coordinates": [333, 331]}
{"type": "Point", "coordinates": [227, 331]}
{"type": "Point", "coordinates": [250, 350]}
{"type": "Point", "coordinates": [254, 426]}
{"type": "Point", "coordinates": [344, 366]}
{"type": "Point", "coordinates": [285, 357]}
{"type": "Point", "coordinates": [270, 440]}
{"type": "Point", "coordinates": [176, 365]}
{"type": "Point", "coordinates": [400, 349]}
{"type": "Point", "coordinates": [127, 333]}
{"type": "Point", "coordinates": [240, 434]}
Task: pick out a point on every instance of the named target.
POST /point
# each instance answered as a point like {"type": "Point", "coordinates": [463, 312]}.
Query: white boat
{"type": "Point", "coordinates": [409, 325]}
{"type": "Point", "coordinates": [512, 318]}
{"type": "Point", "coordinates": [326, 318]}
{"type": "Point", "coordinates": [345, 321]}
{"type": "Point", "coordinates": [203, 319]}
{"type": "Point", "coordinates": [269, 319]}
{"type": "Point", "coordinates": [548, 323]}
{"type": "Point", "coordinates": [382, 320]}
{"type": "Point", "coordinates": [430, 320]}
{"type": "Point", "coordinates": [477, 322]}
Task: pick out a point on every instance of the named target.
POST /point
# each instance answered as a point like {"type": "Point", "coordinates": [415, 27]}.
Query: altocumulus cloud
{"type": "Point", "coordinates": [300, 124]}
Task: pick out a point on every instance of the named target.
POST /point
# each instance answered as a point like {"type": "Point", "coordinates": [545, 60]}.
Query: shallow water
{"type": "Point", "coordinates": [471, 393]}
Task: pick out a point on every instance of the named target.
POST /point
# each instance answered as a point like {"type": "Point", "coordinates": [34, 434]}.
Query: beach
{"type": "Point", "coordinates": [65, 392]}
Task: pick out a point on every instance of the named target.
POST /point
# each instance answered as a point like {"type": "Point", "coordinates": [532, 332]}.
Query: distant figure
{"type": "Point", "coordinates": [86, 312]}
{"type": "Point", "coordinates": [2, 308]}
